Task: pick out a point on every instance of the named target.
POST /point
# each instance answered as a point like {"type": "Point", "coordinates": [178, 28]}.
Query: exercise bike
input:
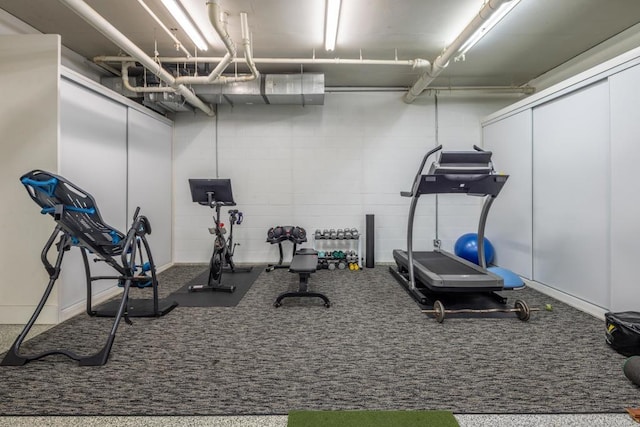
{"type": "Point", "coordinates": [235, 217]}
{"type": "Point", "coordinates": [216, 193]}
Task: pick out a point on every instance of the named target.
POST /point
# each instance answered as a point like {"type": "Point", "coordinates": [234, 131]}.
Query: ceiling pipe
{"type": "Point", "coordinates": [441, 62]}
{"type": "Point", "coordinates": [248, 49]}
{"type": "Point", "coordinates": [177, 42]}
{"type": "Point", "coordinates": [215, 76]}
{"type": "Point", "coordinates": [218, 20]}
{"type": "Point", "coordinates": [140, 89]}
{"type": "Point", "coordinates": [109, 31]}
{"type": "Point", "coordinates": [413, 63]}
{"type": "Point", "coordinates": [527, 90]}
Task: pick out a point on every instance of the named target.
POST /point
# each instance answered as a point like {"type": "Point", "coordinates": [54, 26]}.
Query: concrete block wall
{"type": "Point", "coordinates": [323, 167]}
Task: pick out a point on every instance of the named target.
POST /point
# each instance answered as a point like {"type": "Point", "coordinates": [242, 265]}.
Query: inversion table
{"type": "Point", "coordinates": [78, 223]}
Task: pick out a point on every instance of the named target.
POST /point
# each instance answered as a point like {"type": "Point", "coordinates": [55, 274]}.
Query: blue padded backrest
{"type": "Point", "coordinates": [74, 210]}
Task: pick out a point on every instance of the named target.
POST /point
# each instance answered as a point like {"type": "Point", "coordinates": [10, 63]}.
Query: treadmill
{"type": "Point", "coordinates": [425, 273]}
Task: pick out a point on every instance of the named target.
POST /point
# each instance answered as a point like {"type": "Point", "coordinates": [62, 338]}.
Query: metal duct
{"type": "Point", "coordinates": [167, 100]}
{"type": "Point", "coordinates": [248, 92]}
{"type": "Point", "coordinates": [305, 89]}
{"type": "Point", "coordinates": [277, 89]}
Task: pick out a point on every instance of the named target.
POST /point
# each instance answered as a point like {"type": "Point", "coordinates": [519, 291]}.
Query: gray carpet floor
{"type": "Point", "coordinates": [373, 349]}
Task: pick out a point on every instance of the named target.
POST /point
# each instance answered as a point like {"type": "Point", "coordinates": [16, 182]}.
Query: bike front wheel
{"type": "Point", "coordinates": [216, 263]}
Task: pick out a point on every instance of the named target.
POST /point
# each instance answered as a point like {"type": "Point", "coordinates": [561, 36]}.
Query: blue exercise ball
{"type": "Point", "coordinates": [467, 247]}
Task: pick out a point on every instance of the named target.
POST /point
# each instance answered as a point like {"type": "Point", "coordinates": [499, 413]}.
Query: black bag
{"type": "Point", "coordinates": [623, 332]}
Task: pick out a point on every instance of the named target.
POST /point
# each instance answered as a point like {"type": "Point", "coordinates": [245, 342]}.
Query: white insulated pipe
{"type": "Point", "coordinates": [414, 63]}
{"type": "Point", "coordinates": [219, 22]}
{"type": "Point", "coordinates": [109, 31]}
{"type": "Point", "coordinates": [212, 77]}
{"type": "Point", "coordinates": [248, 49]}
{"type": "Point", "coordinates": [164, 27]}
{"type": "Point", "coordinates": [139, 89]}
{"type": "Point", "coordinates": [442, 61]}
{"type": "Point", "coordinates": [219, 25]}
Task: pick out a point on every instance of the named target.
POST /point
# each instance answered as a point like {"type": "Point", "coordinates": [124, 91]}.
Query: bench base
{"type": "Point", "coordinates": [304, 263]}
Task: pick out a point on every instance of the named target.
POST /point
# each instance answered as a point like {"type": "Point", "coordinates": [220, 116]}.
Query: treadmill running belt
{"type": "Point", "coordinates": [443, 272]}
{"type": "Point", "coordinates": [441, 264]}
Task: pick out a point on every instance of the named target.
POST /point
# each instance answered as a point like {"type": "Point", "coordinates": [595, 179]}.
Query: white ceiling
{"type": "Point", "coordinates": [536, 37]}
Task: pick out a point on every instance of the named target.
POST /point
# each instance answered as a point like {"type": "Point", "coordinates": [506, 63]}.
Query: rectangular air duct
{"type": "Point", "coordinates": [276, 89]}
{"type": "Point", "coordinates": [294, 89]}
{"type": "Point", "coordinates": [168, 100]}
{"type": "Point", "coordinates": [232, 93]}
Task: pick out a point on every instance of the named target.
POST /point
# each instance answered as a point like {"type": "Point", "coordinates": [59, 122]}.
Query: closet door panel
{"type": "Point", "coordinates": [571, 201]}
{"type": "Point", "coordinates": [150, 178]}
{"type": "Point", "coordinates": [625, 209]}
{"type": "Point", "coordinates": [509, 223]}
{"type": "Point", "coordinates": [93, 156]}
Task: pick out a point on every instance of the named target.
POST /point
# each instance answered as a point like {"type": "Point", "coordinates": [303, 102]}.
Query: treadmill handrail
{"type": "Point", "coordinates": [416, 180]}
{"type": "Point", "coordinates": [498, 181]}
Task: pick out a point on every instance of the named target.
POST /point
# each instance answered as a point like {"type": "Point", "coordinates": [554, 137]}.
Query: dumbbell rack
{"type": "Point", "coordinates": [329, 243]}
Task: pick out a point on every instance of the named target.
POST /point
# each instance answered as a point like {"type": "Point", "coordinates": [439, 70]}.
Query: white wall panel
{"type": "Point", "coordinates": [150, 180]}
{"type": "Point", "coordinates": [194, 156]}
{"type": "Point", "coordinates": [93, 156]}
{"type": "Point", "coordinates": [459, 129]}
{"type": "Point", "coordinates": [624, 90]}
{"type": "Point", "coordinates": [510, 222]}
{"type": "Point", "coordinates": [571, 194]}
{"type": "Point", "coordinates": [29, 128]}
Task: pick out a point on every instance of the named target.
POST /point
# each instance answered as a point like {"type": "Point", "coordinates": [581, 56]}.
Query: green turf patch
{"type": "Point", "coordinates": [371, 419]}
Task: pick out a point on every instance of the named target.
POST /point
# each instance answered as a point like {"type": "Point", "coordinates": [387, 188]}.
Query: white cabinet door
{"type": "Point", "coordinates": [150, 178]}
{"type": "Point", "coordinates": [93, 156]}
{"type": "Point", "coordinates": [509, 226]}
{"type": "Point", "coordinates": [571, 187]}
{"type": "Point", "coordinates": [625, 208]}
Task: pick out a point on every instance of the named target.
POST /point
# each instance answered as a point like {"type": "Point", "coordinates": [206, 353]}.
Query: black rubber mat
{"type": "Point", "coordinates": [474, 301]}
{"type": "Point", "coordinates": [242, 282]}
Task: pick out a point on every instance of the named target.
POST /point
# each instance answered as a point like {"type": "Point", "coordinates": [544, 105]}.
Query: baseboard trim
{"type": "Point", "coordinates": [99, 298]}
{"type": "Point", "coordinates": [582, 305]}
{"type": "Point", "coordinates": [81, 306]}
{"type": "Point", "coordinates": [20, 315]}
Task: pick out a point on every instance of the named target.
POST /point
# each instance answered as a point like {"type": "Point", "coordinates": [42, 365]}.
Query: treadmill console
{"type": "Point", "coordinates": [468, 172]}
{"type": "Point", "coordinates": [462, 163]}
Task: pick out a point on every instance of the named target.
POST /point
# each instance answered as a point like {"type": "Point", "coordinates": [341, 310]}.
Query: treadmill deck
{"type": "Point", "coordinates": [439, 271]}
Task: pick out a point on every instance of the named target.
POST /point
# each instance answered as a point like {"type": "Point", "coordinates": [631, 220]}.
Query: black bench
{"type": "Point", "coordinates": [304, 263]}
